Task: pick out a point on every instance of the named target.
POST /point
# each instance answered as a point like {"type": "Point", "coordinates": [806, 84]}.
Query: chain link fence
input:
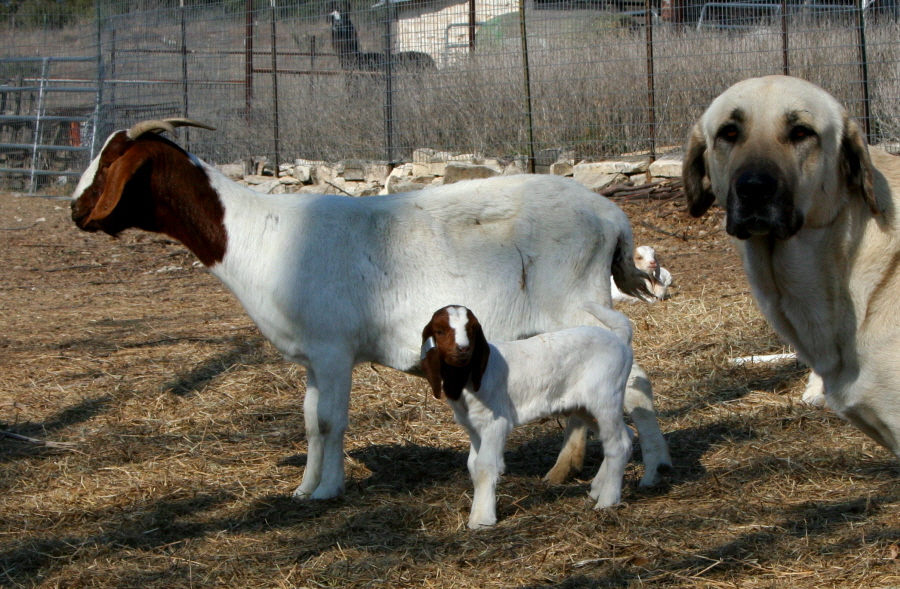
{"type": "Point", "coordinates": [394, 80]}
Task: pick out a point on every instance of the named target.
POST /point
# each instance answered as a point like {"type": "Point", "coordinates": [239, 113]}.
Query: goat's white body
{"type": "Point", "coordinates": [582, 370]}
{"type": "Point", "coordinates": [367, 271]}
{"type": "Point", "coordinates": [333, 281]}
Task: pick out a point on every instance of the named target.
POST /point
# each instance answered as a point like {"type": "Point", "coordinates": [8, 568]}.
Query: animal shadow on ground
{"type": "Point", "coordinates": [247, 351]}
{"type": "Point", "coordinates": [740, 556]}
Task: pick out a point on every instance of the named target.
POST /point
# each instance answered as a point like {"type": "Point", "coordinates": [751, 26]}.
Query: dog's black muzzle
{"type": "Point", "coordinates": [760, 203]}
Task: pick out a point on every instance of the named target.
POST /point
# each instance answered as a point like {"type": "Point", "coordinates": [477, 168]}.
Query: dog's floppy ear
{"type": "Point", "coordinates": [856, 165]}
{"type": "Point", "coordinates": [431, 362]}
{"type": "Point", "coordinates": [480, 352]}
{"type": "Point", "coordinates": [697, 187]}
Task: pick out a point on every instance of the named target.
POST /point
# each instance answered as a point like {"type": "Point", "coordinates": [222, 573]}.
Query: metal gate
{"type": "Point", "coordinates": [48, 121]}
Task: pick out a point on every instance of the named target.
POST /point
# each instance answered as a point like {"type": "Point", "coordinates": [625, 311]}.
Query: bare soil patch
{"type": "Point", "coordinates": [188, 440]}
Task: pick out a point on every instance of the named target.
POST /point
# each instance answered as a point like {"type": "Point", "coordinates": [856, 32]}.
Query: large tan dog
{"type": "Point", "coordinates": [814, 215]}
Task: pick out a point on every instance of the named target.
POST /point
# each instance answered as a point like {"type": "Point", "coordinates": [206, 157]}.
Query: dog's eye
{"type": "Point", "coordinates": [729, 132]}
{"type": "Point", "coordinates": [801, 132]}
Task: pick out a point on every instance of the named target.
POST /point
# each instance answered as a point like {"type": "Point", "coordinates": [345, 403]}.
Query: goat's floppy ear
{"type": "Point", "coordinates": [431, 362]}
{"type": "Point", "coordinates": [480, 353]}
{"type": "Point", "coordinates": [118, 175]}
{"type": "Point", "coordinates": [856, 165]}
{"type": "Point", "coordinates": [697, 186]}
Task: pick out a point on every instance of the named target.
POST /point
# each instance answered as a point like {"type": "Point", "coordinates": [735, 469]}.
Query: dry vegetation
{"type": "Point", "coordinates": [188, 440]}
{"type": "Point", "coordinates": [588, 77]}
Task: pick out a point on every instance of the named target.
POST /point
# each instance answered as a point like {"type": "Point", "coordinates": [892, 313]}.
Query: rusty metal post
{"type": "Point", "coordinates": [864, 67]}
{"type": "Point", "coordinates": [785, 64]}
{"type": "Point", "coordinates": [523, 31]}
{"type": "Point", "coordinates": [275, 132]}
{"type": "Point", "coordinates": [651, 90]}
{"type": "Point", "coordinates": [184, 74]}
{"type": "Point", "coordinates": [472, 24]}
{"type": "Point", "coordinates": [388, 43]}
{"type": "Point", "coordinates": [248, 61]}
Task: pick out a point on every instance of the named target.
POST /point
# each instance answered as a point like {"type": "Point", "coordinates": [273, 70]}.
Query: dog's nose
{"type": "Point", "coordinates": [756, 185]}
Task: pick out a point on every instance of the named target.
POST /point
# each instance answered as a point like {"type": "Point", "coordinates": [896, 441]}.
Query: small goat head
{"type": "Point", "coordinates": [645, 259]}
{"type": "Point", "coordinates": [454, 350]}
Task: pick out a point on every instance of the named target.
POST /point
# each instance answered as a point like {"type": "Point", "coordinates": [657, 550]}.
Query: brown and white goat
{"type": "Point", "coordinates": [494, 387]}
{"type": "Point", "coordinates": [332, 281]}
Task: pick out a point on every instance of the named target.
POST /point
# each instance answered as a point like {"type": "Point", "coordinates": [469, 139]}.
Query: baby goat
{"type": "Point", "coordinates": [659, 279]}
{"type": "Point", "coordinates": [493, 387]}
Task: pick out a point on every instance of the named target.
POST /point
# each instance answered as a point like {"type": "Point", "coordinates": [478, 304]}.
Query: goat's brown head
{"type": "Point", "coordinates": [125, 163]}
{"type": "Point", "coordinates": [132, 181]}
{"type": "Point", "coordinates": [454, 350]}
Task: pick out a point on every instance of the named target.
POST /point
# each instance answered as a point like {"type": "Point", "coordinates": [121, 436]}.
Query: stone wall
{"type": "Point", "coordinates": [432, 168]}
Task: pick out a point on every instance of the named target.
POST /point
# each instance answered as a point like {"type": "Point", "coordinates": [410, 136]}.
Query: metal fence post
{"type": "Point", "coordinates": [527, 78]}
{"type": "Point", "coordinates": [248, 60]}
{"type": "Point", "coordinates": [651, 91]}
{"type": "Point", "coordinates": [785, 69]}
{"type": "Point", "coordinates": [388, 85]}
{"type": "Point", "coordinates": [275, 129]}
{"type": "Point", "coordinates": [864, 66]}
{"type": "Point", "coordinates": [184, 74]}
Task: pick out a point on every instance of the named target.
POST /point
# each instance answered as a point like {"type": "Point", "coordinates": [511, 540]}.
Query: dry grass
{"type": "Point", "coordinates": [189, 440]}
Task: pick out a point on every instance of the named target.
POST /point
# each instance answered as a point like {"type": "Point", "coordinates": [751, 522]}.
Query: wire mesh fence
{"type": "Point", "coordinates": [391, 80]}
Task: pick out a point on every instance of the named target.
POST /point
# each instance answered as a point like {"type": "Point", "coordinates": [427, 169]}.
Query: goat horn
{"type": "Point", "coordinates": [160, 125]}
{"type": "Point", "coordinates": [188, 123]}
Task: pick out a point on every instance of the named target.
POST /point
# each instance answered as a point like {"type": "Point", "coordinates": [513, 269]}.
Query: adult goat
{"type": "Point", "coordinates": [333, 281]}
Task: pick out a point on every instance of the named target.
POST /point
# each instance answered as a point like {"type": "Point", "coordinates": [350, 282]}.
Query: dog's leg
{"type": "Point", "coordinates": [639, 406]}
{"type": "Point", "coordinates": [571, 458]}
{"type": "Point", "coordinates": [815, 391]}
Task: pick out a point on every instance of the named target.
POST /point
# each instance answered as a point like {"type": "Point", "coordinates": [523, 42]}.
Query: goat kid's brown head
{"type": "Point", "coordinates": [454, 350]}
{"type": "Point", "coordinates": [124, 164]}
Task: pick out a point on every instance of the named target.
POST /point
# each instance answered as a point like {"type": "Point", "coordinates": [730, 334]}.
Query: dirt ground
{"type": "Point", "coordinates": [187, 440]}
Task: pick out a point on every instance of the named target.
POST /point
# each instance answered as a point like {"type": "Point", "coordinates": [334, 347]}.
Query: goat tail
{"type": "Point", "coordinates": [628, 277]}
{"type": "Point", "coordinates": [616, 322]}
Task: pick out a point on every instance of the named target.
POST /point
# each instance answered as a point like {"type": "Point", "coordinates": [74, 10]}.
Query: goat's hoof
{"type": "Point", "coordinates": [558, 476]}
{"type": "Point", "coordinates": [301, 495]}
{"type": "Point", "coordinates": [654, 476]}
{"type": "Point", "coordinates": [607, 505]}
{"type": "Point", "coordinates": [482, 524]}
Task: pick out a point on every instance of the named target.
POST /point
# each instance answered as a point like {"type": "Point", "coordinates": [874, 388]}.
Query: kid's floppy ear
{"type": "Point", "coordinates": [480, 353]}
{"type": "Point", "coordinates": [431, 363]}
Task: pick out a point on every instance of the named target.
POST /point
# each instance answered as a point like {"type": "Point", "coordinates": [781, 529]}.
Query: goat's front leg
{"type": "Point", "coordinates": [326, 409]}
{"type": "Point", "coordinates": [571, 458]}
{"type": "Point", "coordinates": [639, 406]}
{"type": "Point", "coordinates": [606, 487]}
{"type": "Point", "coordinates": [485, 466]}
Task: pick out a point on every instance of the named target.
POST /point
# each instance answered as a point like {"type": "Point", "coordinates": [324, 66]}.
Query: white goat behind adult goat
{"type": "Point", "coordinates": [494, 387]}
{"type": "Point", "coordinates": [658, 278]}
{"type": "Point", "coordinates": [333, 281]}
